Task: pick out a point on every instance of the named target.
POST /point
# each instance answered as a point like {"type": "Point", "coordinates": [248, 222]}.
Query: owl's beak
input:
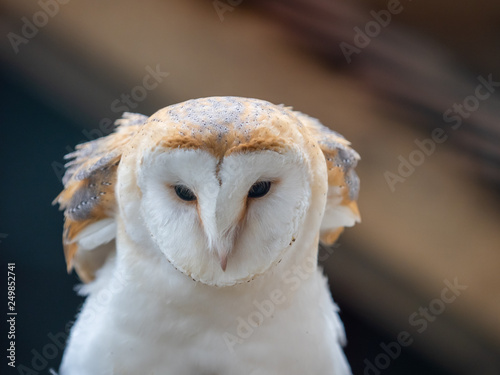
{"type": "Point", "coordinates": [223, 262]}
{"type": "Point", "coordinates": [223, 252]}
{"type": "Point", "coordinates": [223, 234]}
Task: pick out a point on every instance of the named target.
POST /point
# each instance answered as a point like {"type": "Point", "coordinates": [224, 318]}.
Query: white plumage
{"type": "Point", "coordinates": [196, 231]}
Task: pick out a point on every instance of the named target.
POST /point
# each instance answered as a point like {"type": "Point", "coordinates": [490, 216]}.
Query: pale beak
{"type": "Point", "coordinates": [222, 254]}
{"type": "Point", "coordinates": [223, 262]}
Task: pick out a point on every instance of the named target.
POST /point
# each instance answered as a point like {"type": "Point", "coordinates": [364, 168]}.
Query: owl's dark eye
{"type": "Point", "coordinates": [184, 193]}
{"type": "Point", "coordinates": [259, 189]}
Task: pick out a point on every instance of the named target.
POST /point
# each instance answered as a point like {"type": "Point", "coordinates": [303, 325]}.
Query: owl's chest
{"type": "Point", "coordinates": [264, 334]}
{"type": "Point", "coordinates": [188, 345]}
{"type": "Point", "coordinates": [187, 331]}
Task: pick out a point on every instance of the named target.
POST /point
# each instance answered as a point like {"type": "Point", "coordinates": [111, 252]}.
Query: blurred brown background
{"type": "Point", "coordinates": [69, 68]}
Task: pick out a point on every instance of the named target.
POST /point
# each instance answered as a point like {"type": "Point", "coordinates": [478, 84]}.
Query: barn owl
{"type": "Point", "coordinates": [196, 231]}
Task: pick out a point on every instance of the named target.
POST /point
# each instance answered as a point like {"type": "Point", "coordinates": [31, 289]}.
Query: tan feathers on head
{"type": "Point", "coordinates": [247, 125]}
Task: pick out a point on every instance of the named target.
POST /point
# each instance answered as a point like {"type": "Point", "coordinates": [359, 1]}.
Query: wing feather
{"type": "Point", "coordinates": [88, 197]}
{"type": "Point", "coordinates": [343, 182]}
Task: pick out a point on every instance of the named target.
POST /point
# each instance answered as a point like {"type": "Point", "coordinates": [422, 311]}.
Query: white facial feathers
{"type": "Point", "coordinates": [224, 237]}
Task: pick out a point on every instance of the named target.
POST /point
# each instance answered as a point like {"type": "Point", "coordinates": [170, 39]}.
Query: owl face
{"type": "Point", "coordinates": [223, 221]}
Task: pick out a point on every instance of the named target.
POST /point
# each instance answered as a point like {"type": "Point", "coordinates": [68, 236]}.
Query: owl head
{"type": "Point", "coordinates": [224, 188]}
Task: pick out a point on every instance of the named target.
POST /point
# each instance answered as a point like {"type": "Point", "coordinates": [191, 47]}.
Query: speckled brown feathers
{"type": "Point", "coordinates": [88, 194]}
{"type": "Point", "coordinates": [341, 160]}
